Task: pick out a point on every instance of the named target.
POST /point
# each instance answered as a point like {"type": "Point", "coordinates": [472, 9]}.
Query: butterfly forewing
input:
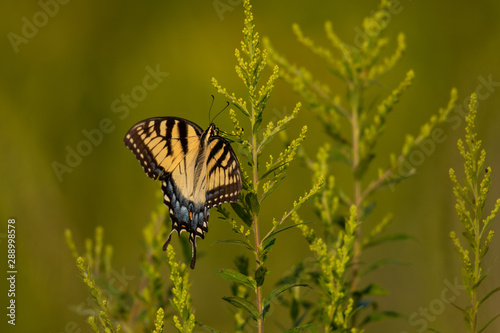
{"type": "Point", "coordinates": [198, 170]}
{"type": "Point", "coordinates": [160, 144]}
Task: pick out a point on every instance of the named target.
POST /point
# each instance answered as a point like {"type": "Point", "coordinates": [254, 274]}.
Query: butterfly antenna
{"type": "Point", "coordinates": [211, 104]}
{"type": "Point", "coordinates": [220, 112]}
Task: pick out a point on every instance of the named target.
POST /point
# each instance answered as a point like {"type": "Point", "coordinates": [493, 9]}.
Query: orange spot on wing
{"type": "Point", "coordinates": [190, 215]}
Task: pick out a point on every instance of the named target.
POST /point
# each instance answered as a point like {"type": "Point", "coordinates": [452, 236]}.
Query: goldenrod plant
{"type": "Point", "coordinates": [181, 299]}
{"type": "Point", "coordinates": [130, 305]}
{"type": "Point", "coordinates": [471, 195]}
{"type": "Point", "coordinates": [103, 322]}
{"type": "Point", "coordinates": [260, 181]}
{"type": "Point", "coordinates": [159, 321]}
{"type": "Point", "coordinates": [354, 123]}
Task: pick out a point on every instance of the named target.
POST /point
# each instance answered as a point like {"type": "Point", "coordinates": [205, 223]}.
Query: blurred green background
{"type": "Point", "coordinates": [67, 74]}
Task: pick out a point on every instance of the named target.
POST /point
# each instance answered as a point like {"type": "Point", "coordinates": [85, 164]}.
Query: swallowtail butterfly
{"type": "Point", "coordinates": [198, 170]}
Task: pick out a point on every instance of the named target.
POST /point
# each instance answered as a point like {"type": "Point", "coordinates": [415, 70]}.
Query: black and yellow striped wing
{"type": "Point", "coordinates": [160, 144]}
{"type": "Point", "coordinates": [198, 170]}
{"type": "Point", "coordinates": [223, 171]}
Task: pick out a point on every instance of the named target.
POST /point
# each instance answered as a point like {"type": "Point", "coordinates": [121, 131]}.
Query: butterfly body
{"type": "Point", "coordinates": [198, 170]}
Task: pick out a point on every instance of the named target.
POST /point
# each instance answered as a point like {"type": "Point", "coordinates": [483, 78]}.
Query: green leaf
{"type": "Point", "coordinates": [389, 238]}
{"type": "Point", "coordinates": [488, 296]}
{"type": "Point", "coordinates": [241, 262]}
{"type": "Point", "coordinates": [374, 290]}
{"type": "Point", "coordinates": [363, 166]}
{"type": "Point", "coordinates": [208, 328]}
{"type": "Point", "coordinates": [294, 309]}
{"type": "Point", "coordinates": [339, 156]}
{"type": "Point", "coordinates": [489, 323]}
{"type": "Point", "coordinates": [258, 121]}
{"type": "Point", "coordinates": [464, 312]}
{"type": "Point", "coordinates": [252, 202]}
{"type": "Point", "coordinates": [242, 213]}
{"type": "Point", "coordinates": [267, 246]}
{"type": "Point", "coordinates": [378, 316]}
{"type": "Point", "coordinates": [282, 289]}
{"type": "Point", "coordinates": [235, 242]}
{"type": "Point", "coordinates": [260, 275]}
{"type": "Point", "coordinates": [244, 304]}
{"type": "Point", "coordinates": [277, 231]}
{"type": "Point", "coordinates": [481, 278]}
{"type": "Point", "coordinates": [469, 238]}
{"type": "Point", "coordinates": [231, 275]}
{"type": "Point", "coordinates": [241, 109]}
{"type": "Point", "coordinates": [274, 168]}
{"type": "Point", "coordinates": [224, 212]}
{"type": "Point", "coordinates": [273, 187]}
{"type": "Point", "coordinates": [379, 263]}
{"type": "Point", "coordinates": [367, 210]}
{"type": "Point", "coordinates": [300, 328]}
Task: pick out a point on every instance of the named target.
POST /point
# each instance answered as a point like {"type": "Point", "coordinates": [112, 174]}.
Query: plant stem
{"type": "Point", "coordinates": [355, 92]}
{"type": "Point", "coordinates": [477, 259]}
{"type": "Point", "coordinates": [255, 222]}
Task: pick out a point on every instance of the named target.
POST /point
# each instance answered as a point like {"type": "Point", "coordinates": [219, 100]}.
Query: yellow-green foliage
{"type": "Point", "coordinates": [181, 299]}
{"type": "Point", "coordinates": [159, 321]}
{"type": "Point", "coordinates": [258, 185]}
{"type": "Point", "coordinates": [355, 145]}
{"type": "Point", "coordinates": [471, 198]}
{"type": "Point", "coordinates": [104, 321]}
{"type": "Point", "coordinates": [122, 306]}
{"type": "Point", "coordinates": [338, 241]}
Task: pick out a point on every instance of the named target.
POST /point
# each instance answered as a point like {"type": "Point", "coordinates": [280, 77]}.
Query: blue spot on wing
{"type": "Point", "coordinates": [185, 214]}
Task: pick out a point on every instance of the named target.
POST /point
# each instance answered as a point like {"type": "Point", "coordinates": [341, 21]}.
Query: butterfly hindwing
{"type": "Point", "coordinates": [185, 215]}
{"type": "Point", "coordinates": [198, 170]}
{"type": "Point", "coordinates": [223, 173]}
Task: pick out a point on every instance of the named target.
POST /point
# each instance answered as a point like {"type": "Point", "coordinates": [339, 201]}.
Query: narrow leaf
{"type": "Point", "coordinates": [208, 328]}
{"type": "Point", "coordinates": [235, 242]}
{"type": "Point", "coordinates": [242, 213]}
{"type": "Point", "coordinates": [282, 289]}
{"type": "Point", "coordinates": [231, 275]}
{"type": "Point", "coordinates": [241, 109]}
{"type": "Point", "coordinates": [267, 246]}
{"type": "Point", "coordinates": [374, 290]}
{"type": "Point", "coordinates": [252, 202]}
{"type": "Point", "coordinates": [481, 278]}
{"type": "Point", "coordinates": [464, 312]}
{"type": "Point", "coordinates": [273, 187]}
{"type": "Point", "coordinates": [380, 263]}
{"type": "Point", "coordinates": [378, 316]}
{"type": "Point", "coordinates": [488, 296]}
{"type": "Point", "coordinates": [277, 231]}
{"type": "Point", "coordinates": [300, 328]}
{"type": "Point", "coordinates": [368, 209]}
{"type": "Point", "coordinates": [274, 168]}
{"type": "Point", "coordinates": [260, 275]}
{"type": "Point", "coordinates": [489, 323]}
{"type": "Point", "coordinates": [363, 166]}
{"type": "Point", "coordinates": [389, 238]}
{"type": "Point", "coordinates": [244, 304]}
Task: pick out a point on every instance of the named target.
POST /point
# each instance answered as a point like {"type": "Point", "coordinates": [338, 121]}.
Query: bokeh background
{"type": "Point", "coordinates": [66, 75]}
